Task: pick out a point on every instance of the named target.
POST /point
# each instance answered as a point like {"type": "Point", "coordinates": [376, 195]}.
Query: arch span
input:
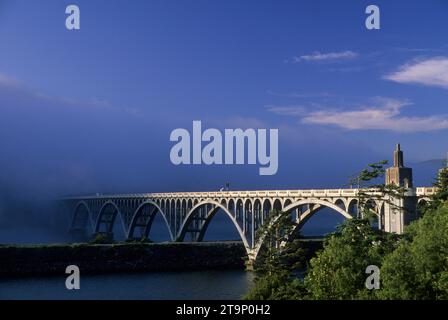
{"type": "Point", "coordinates": [109, 223]}
{"type": "Point", "coordinates": [424, 200]}
{"type": "Point", "coordinates": [190, 216]}
{"type": "Point", "coordinates": [76, 212]}
{"type": "Point", "coordinates": [317, 202]}
{"type": "Point", "coordinates": [139, 210]}
{"type": "Point", "coordinates": [210, 214]}
{"type": "Point", "coordinates": [303, 217]}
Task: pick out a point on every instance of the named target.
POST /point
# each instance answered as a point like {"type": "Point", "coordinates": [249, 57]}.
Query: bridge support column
{"type": "Point", "coordinates": [250, 260]}
{"type": "Point", "coordinates": [399, 212]}
{"type": "Point", "coordinates": [244, 220]}
{"type": "Point", "coordinates": [252, 227]}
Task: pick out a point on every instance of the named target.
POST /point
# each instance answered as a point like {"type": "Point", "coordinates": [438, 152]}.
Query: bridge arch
{"type": "Point", "coordinates": [287, 202]}
{"type": "Point", "coordinates": [258, 203]}
{"type": "Point", "coordinates": [84, 218]}
{"type": "Point", "coordinates": [147, 219]}
{"type": "Point", "coordinates": [267, 207]}
{"type": "Point", "coordinates": [239, 209]}
{"type": "Point", "coordinates": [258, 213]}
{"type": "Point", "coordinates": [107, 217]}
{"type": "Point", "coordinates": [303, 217]}
{"type": "Point", "coordinates": [277, 204]}
{"type": "Point", "coordinates": [421, 204]}
{"type": "Point", "coordinates": [231, 207]}
{"type": "Point", "coordinates": [341, 204]}
{"type": "Point", "coordinates": [183, 229]}
{"type": "Point", "coordinates": [248, 205]}
{"type": "Point", "coordinates": [352, 207]}
{"type": "Point", "coordinates": [423, 200]}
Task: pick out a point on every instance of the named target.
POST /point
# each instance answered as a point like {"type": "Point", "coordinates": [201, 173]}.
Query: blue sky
{"type": "Point", "coordinates": [92, 110]}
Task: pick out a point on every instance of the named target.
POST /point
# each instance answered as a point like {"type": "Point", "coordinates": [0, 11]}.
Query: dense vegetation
{"type": "Point", "coordinates": [412, 266]}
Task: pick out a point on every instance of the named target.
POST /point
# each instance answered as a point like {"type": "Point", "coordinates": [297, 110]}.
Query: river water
{"type": "Point", "coordinates": [208, 285]}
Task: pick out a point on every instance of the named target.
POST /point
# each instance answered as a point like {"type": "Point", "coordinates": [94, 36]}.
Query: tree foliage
{"type": "Point", "coordinates": [281, 256]}
{"type": "Point", "coordinates": [370, 190]}
{"type": "Point", "coordinates": [441, 196]}
{"type": "Point", "coordinates": [413, 265]}
{"type": "Point", "coordinates": [418, 268]}
{"type": "Point", "coordinates": [281, 245]}
{"type": "Point", "coordinates": [338, 272]}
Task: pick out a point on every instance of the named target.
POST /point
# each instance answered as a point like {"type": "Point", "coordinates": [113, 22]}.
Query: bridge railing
{"type": "Point", "coordinates": [426, 191]}
{"type": "Point", "coordinates": [319, 193]}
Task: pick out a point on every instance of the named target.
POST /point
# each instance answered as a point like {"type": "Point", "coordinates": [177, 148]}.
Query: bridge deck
{"type": "Point", "coordinates": [419, 192]}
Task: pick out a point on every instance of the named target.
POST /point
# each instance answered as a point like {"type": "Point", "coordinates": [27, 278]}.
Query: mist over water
{"type": "Point", "coordinates": [26, 219]}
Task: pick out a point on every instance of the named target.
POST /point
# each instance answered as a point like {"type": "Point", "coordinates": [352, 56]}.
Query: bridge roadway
{"type": "Point", "coordinates": [188, 214]}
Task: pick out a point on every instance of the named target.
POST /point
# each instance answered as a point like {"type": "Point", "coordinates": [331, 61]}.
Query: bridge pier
{"type": "Point", "coordinates": [251, 258]}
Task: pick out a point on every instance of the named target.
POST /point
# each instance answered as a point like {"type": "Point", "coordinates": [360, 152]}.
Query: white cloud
{"type": "Point", "coordinates": [21, 90]}
{"type": "Point", "coordinates": [330, 56]}
{"type": "Point", "coordinates": [382, 114]}
{"type": "Point", "coordinates": [430, 72]}
{"type": "Point", "coordinates": [6, 80]}
{"type": "Point", "coordinates": [299, 94]}
{"type": "Point", "coordinates": [236, 122]}
{"type": "Point", "coordinates": [287, 110]}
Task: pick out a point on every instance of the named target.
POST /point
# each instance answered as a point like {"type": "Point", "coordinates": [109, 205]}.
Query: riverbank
{"type": "Point", "coordinates": [18, 261]}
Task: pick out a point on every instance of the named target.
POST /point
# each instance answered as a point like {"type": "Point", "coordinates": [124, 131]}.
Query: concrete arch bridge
{"type": "Point", "coordinates": [187, 215]}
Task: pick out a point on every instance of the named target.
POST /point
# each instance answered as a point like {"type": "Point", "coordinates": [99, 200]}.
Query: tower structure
{"type": "Point", "coordinates": [399, 175]}
{"type": "Point", "coordinates": [400, 210]}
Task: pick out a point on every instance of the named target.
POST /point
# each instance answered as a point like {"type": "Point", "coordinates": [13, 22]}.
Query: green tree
{"type": "Point", "coordinates": [279, 259]}
{"type": "Point", "coordinates": [441, 195]}
{"type": "Point", "coordinates": [338, 272]}
{"type": "Point", "coordinates": [418, 268]}
{"type": "Point", "coordinates": [413, 266]}
{"type": "Point", "coordinates": [370, 190]}
{"type": "Point", "coordinates": [281, 250]}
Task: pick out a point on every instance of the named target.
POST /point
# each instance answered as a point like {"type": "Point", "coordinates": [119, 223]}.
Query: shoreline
{"type": "Point", "coordinates": [44, 260]}
{"type": "Point", "coordinates": [17, 261]}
